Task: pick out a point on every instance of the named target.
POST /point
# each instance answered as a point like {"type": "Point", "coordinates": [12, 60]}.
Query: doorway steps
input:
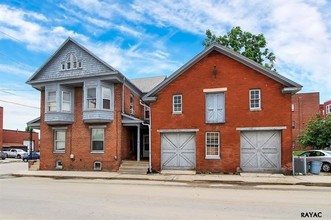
{"type": "Point", "coordinates": [133, 167]}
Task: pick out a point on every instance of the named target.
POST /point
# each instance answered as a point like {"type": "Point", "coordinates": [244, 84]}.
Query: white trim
{"type": "Point", "coordinates": [176, 130]}
{"type": "Point", "coordinates": [261, 128]}
{"type": "Point", "coordinates": [259, 108]}
{"type": "Point", "coordinates": [214, 90]}
{"type": "Point", "coordinates": [173, 104]}
{"type": "Point", "coordinates": [211, 157]}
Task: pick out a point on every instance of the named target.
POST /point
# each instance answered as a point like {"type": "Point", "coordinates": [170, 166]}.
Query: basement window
{"type": "Point", "coordinates": [97, 165]}
{"type": "Point", "coordinates": [58, 165]}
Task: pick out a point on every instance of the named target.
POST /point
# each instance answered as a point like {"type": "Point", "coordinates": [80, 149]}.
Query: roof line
{"type": "Point", "coordinates": [230, 53]}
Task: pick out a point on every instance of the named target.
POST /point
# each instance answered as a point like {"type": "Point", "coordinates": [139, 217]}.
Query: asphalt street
{"type": "Point", "coordinates": [46, 198]}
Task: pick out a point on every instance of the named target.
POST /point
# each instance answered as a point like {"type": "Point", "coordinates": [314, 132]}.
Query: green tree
{"type": "Point", "coordinates": [249, 45]}
{"type": "Point", "coordinates": [317, 133]}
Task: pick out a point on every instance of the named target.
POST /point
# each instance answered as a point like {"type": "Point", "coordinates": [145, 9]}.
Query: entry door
{"type": "Point", "coordinates": [260, 151]}
{"type": "Point", "coordinates": [145, 145]}
{"type": "Point", "coordinates": [178, 150]}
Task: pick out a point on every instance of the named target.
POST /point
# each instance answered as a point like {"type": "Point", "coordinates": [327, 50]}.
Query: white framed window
{"type": "Point", "coordinates": [255, 99]}
{"type": "Point", "coordinates": [97, 139]}
{"type": "Point", "coordinates": [212, 145]}
{"type": "Point", "coordinates": [131, 104]}
{"type": "Point", "coordinates": [59, 136]}
{"type": "Point", "coordinates": [51, 101]}
{"type": "Point", "coordinates": [105, 97]}
{"type": "Point", "coordinates": [215, 107]}
{"type": "Point", "coordinates": [328, 109]}
{"type": "Point", "coordinates": [58, 165]}
{"type": "Point", "coordinates": [66, 101]}
{"type": "Point", "coordinates": [97, 165]}
{"type": "Point", "coordinates": [146, 113]}
{"type": "Point", "coordinates": [177, 105]}
{"type": "Point", "coordinates": [91, 98]}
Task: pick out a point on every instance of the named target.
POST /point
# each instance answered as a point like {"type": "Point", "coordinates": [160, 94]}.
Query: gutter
{"type": "Point", "coordinates": [149, 136]}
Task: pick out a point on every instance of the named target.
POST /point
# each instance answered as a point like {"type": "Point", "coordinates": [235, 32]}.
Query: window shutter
{"type": "Point", "coordinates": [215, 103]}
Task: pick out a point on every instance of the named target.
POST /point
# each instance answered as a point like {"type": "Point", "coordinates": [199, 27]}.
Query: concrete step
{"type": "Point", "coordinates": [133, 167]}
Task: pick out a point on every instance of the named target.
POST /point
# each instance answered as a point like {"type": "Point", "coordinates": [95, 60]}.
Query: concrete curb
{"type": "Point", "coordinates": [174, 179]}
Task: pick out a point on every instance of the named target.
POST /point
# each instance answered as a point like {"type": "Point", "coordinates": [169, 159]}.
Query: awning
{"type": "Point", "coordinates": [35, 123]}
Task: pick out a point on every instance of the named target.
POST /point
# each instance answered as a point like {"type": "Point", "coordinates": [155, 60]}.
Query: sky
{"type": "Point", "coordinates": [150, 38]}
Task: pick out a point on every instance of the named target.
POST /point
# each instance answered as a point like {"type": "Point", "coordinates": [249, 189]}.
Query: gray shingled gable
{"type": "Point", "coordinates": [232, 54]}
{"type": "Point", "coordinates": [148, 83]}
{"type": "Point", "coordinates": [51, 70]}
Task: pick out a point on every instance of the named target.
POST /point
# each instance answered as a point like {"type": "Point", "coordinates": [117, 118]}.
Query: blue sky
{"type": "Point", "coordinates": [148, 38]}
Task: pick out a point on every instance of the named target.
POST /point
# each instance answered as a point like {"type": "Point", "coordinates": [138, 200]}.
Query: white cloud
{"type": "Point", "coordinates": [31, 32]}
{"type": "Point", "coordinates": [10, 69]}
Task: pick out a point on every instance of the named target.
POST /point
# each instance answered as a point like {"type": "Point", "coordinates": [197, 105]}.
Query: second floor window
{"type": "Point", "coordinates": [91, 98]}
{"type": "Point", "coordinates": [177, 104]}
{"type": "Point", "coordinates": [105, 98]}
{"type": "Point", "coordinates": [66, 101]}
{"type": "Point", "coordinates": [131, 104]}
{"type": "Point", "coordinates": [255, 99]}
{"type": "Point", "coordinates": [51, 103]}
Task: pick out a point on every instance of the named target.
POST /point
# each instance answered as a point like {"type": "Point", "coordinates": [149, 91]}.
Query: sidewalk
{"type": "Point", "coordinates": [242, 179]}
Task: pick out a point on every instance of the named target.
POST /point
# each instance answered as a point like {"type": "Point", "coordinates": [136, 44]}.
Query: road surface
{"type": "Point", "coordinates": [44, 198]}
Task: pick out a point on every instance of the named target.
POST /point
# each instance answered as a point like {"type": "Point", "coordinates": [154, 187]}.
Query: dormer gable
{"type": "Point", "coordinates": [71, 61]}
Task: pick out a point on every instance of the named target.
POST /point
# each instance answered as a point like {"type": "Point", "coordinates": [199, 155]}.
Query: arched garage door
{"type": "Point", "coordinates": [178, 150]}
{"type": "Point", "coordinates": [260, 151]}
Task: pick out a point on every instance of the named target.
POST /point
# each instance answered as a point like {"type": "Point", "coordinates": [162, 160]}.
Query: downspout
{"type": "Point", "coordinates": [149, 136]}
{"type": "Point", "coordinates": [123, 94]}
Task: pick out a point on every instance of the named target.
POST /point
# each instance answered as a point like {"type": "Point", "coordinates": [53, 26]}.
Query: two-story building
{"type": "Point", "coordinates": [222, 112]}
{"type": "Point", "coordinates": [91, 116]}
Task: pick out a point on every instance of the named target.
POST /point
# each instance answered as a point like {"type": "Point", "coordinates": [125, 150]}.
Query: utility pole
{"type": "Point", "coordinates": [31, 130]}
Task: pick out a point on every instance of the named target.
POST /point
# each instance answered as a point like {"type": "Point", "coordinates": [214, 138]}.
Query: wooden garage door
{"type": "Point", "coordinates": [260, 151]}
{"type": "Point", "coordinates": [178, 150]}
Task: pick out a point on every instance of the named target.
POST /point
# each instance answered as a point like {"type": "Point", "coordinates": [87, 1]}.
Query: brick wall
{"type": "Point", "coordinates": [304, 106]}
{"type": "Point", "coordinates": [238, 79]}
{"type": "Point", "coordinates": [78, 140]}
{"type": "Point", "coordinates": [15, 136]}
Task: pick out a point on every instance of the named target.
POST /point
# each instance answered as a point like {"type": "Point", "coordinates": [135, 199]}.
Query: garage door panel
{"type": "Point", "coordinates": [260, 150]}
{"type": "Point", "coordinates": [178, 150]}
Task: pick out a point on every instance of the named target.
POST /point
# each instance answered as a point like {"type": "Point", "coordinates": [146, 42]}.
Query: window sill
{"type": "Point", "coordinates": [59, 152]}
{"type": "Point", "coordinates": [255, 109]}
{"type": "Point", "coordinates": [97, 152]}
{"type": "Point", "coordinates": [177, 113]}
{"type": "Point", "coordinates": [212, 157]}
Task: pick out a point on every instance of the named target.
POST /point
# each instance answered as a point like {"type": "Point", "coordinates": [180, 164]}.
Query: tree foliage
{"type": "Point", "coordinates": [317, 133]}
{"type": "Point", "coordinates": [249, 45]}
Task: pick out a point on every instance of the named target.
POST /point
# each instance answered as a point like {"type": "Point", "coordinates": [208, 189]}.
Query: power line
{"type": "Point", "coordinates": [15, 103]}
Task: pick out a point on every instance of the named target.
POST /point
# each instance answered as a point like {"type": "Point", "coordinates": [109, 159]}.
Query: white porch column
{"type": "Point", "coordinates": [138, 142]}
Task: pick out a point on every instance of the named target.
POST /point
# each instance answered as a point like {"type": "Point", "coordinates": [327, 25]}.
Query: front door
{"type": "Point", "coordinates": [145, 145]}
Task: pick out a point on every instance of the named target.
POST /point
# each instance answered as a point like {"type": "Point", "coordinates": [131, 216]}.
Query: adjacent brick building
{"type": "Point", "coordinates": [16, 139]}
{"type": "Point", "coordinates": [222, 112]}
{"type": "Point", "coordinates": [304, 107]}
{"type": "Point", "coordinates": [325, 108]}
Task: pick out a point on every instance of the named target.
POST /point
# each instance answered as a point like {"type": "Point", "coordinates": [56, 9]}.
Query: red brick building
{"type": "Point", "coordinates": [325, 108]}
{"type": "Point", "coordinates": [222, 112]}
{"type": "Point", "coordinates": [16, 139]}
{"type": "Point", "coordinates": [304, 107]}
{"type": "Point", "coordinates": [91, 116]}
